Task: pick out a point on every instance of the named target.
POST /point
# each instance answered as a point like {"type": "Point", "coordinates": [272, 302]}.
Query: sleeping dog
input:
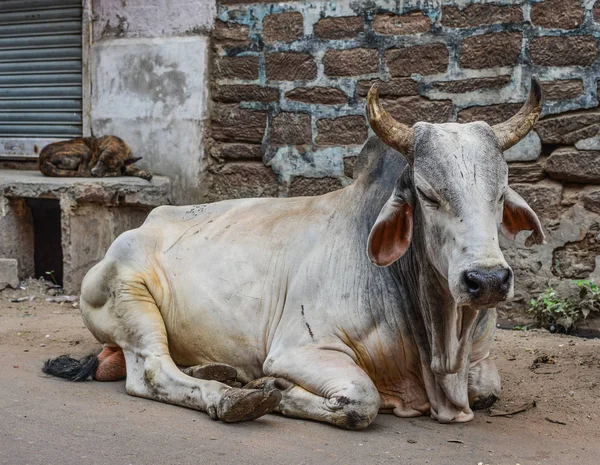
{"type": "Point", "coordinates": [90, 156]}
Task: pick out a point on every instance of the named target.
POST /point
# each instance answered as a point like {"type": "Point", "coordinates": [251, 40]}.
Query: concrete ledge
{"type": "Point", "coordinates": [125, 190]}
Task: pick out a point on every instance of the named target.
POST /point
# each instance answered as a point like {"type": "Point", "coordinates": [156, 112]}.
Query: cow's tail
{"type": "Point", "coordinates": [72, 369]}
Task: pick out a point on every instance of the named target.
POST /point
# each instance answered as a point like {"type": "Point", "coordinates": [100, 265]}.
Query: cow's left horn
{"type": "Point", "coordinates": [512, 131]}
{"type": "Point", "coordinates": [395, 134]}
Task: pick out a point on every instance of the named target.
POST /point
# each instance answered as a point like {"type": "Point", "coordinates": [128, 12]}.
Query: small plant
{"type": "Point", "coordinates": [563, 314]}
{"type": "Point", "coordinates": [51, 274]}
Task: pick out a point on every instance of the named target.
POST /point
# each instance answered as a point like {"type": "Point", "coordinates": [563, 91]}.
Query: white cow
{"type": "Point", "coordinates": [334, 308]}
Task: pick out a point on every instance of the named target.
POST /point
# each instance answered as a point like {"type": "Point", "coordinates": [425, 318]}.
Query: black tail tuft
{"type": "Point", "coordinates": [71, 368]}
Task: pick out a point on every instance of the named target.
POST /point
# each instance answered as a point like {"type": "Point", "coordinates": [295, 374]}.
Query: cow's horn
{"type": "Point", "coordinates": [395, 134]}
{"type": "Point", "coordinates": [512, 131]}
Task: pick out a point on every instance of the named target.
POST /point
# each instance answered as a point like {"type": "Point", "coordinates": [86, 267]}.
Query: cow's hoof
{"type": "Point", "coordinates": [212, 372]}
{"type": "Point", "coordinates": [481, 403]}
{"type": "Point", "coordinates": [247, 404]}
{"type": "Point", "coordinates": [269, 383]}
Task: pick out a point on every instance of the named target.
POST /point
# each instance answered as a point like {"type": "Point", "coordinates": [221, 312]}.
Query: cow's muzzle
{"type": "Point", "coordinates": [487, 286]}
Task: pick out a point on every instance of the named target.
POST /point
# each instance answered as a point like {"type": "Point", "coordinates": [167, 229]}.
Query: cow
{"type": "Point", "coordinates": [90, 156]}
{"type": "Point", "coordinates": [377, 297]}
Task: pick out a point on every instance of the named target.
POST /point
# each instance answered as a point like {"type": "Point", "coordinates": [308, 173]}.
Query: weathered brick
{"type": "Point", "coordinates": [420, 59]}
{"type": "Point", "coordinates": [568, 128]}
{"type": "Point", "coordinates": [290, 66]}
{"type": "Point", "coordinates": [302, 186]}
{"type": "Point", "coordinates": [237, 152]}
{"type": "Point", "coordinates": [230, 34]}
{"type": "Point", "coordinates": [557, 14]}
{"type": "Point", "coordinates": [591, 201]}
{"type": "Point", "coordinates": [543, 197]}
{"type": "Point", "coordinates": [391, 24]}
{"type": "Point", "coordinates": [411, 110]}
{"type": "Point", "coordinates": [470, 85]}
{"type": "Point", "coordinates": [345, 27]}
{"type": "Point", "coordinates": [243, 179]}
{"type": "Point", "coordinates": [577, 259]}
{"type": "Point", "coordinates": [231, 123]}
{"type": "Point", "coordinates": [351, 62]}
{"type": "Point", "coordinates": [318, 95]}
{"type": "Point", "coordinates": [291, 129]}
{"type": "Point", "coordinates": [349, 163]}
{"type": "Point", "coordinates": [283, 27]}
{"type": "Point", "coordinates": [346, 130]}
{"type": "Point", "coordinates": [564, 51]}
{"type": "Point", "coordinates": [572, 165]}
{"type": "Point", "coordinates": [395, 87]}
{"type": "Point", "coordinates": [491, 114]}
{"type": "Point", "coordinates": [563, 89]}
{"type": "Point", "coordinates": [244, 93]}
{"type": "Point", "coordinates": [236, 68]}
{"type": "Point", "coordinates": [480, 15]}
{"type": "Point", "coordinates": [597, 12]}
{"type": "Point", "coordinates": [525, 172]}
{"type": "Point", "coordinates": [491, 50]}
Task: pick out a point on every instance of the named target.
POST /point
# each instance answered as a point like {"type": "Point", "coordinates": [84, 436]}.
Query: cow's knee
{"type": "Point", "coordinates": [354, 409]}
{"type": "Point", "coordinates": [484, 384]}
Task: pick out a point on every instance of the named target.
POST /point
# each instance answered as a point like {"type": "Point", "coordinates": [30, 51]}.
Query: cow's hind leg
{"type": "Point", "coordinates": [324, 385]}
{"type": "Point", "coordinates": [131, 320]}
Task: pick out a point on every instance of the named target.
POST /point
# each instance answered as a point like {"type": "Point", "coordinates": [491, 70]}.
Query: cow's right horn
{"type": "Point", "coordinates": [395, 134]}
{"type": "Point", "coordinates": [515, 129]}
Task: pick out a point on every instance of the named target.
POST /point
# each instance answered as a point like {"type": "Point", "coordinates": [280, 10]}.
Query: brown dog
{"type": "Point", "coordinates": [90, 156]}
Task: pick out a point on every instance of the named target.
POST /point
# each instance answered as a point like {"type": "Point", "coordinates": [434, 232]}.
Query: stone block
{"type": "Point", "coordinates": [283, 27]}
{"type": "Point", "coordinates": [525, 172]}
{"type": "Point", "coordinates": [242, 180]}
{"type": "Point", "coordinates": [318, 95]}
{"type": "Point", "coordinates": [302, 186]}
{"type": "Point", "coordinates": [572, 165]}
{"type": "Point", "coordinates": [244, 93]}
{"type": "Point", "coordinates": [237, 152]}
{"type": "Point", "coordinates": [290, 66]}
{"type": "Point", "coordinates": [543, 197]}
{"type": "Point", "coordinates": [390, 24]}
{"type": "Point", "coordinates": [418, 59]}
{"type": "Point", "coordinates": [395, 87]}
{"type": "Point", "coordinates": [345, 27]}
{"type": "Point", "coordinates": [562, 89]}
{"type": "Point", "coordinates": [557, 14]}
{"type": "Point", "coordinates": [349, 163]}
{"type": "Point", "coordinates": [346, 130]}
{"type": "Point", "coordinates": [491, 50]}
{"type": "Point", "coordinates": [491, 114]}
{"type": "Point", "coordinates": [528, 149]}
{"type": "Point", "coordinates": [230, 34]}
{"type": "Point", "coordinates": [591, 201]}
{"type": "Point", "coordinates": [564, 50]}
{"type": "Point", "coordinates": [480, 15]}
{"type": "Point", "coordinates": [569, 128]}
{"type": "Point", "coordinates": [245, 67]}
{"type": "Point", "coordinates": [291, 129]}
{"type": "Point", "coordinates": [577, 259]}
{"type": "Point", "coordinates": [233, 124]}
{"type": "Point", "coordinates": [16, 234]}
{"type": "Point", "coordinates": [351, 62]}
{"type": "Point", "coordinates": [411, 110]}
{"type": "Point", "coordinates": [9, 275]}
{"type": "Point", "coordinates": [470, 85]}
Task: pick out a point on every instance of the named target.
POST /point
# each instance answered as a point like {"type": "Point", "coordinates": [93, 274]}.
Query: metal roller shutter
{"type": "Point", "coordinates": [40, 69]}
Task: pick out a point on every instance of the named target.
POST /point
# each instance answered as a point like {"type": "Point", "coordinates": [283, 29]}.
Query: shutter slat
{"type": "Point", "coordinates": [38, 130]}
{"type": "Point", "coordinates": [43, 28]}
{"type": "Point", "coordinates": [47, 118]}
{"type": "Point", "coordinates": [24, 5]}
{"type": "Point", "coordinates": [40, 105]}
{"type": "Point", "coordinates": [15, 80]}
{"type": "Point", "coordinates": [39, 67]}
{"type": "Point", "coordinates": [61, 14]}
{"type": "Point", "coordinates": [40, 92]}
{"type": "Point", "coordinates": [41, 54]}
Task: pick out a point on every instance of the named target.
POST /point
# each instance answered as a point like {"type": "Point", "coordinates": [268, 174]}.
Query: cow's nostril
{"type": "Point", "coordinates": [473, 282]}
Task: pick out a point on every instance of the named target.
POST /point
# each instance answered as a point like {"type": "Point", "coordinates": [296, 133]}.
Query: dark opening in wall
{"type": "Point", "coordinates": [48, 256]}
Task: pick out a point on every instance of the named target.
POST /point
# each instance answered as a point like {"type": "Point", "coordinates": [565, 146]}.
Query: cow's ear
{"type": "Point", "coordinates": [131, 161]}
{"type": "Point", "coordinates": [392, 232]}
{"type": "Point", "coordinates": [518, 216]}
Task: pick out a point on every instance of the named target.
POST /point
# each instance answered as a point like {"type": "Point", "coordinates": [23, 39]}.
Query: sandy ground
{"type": "Point", "coordinates": [50, 421]}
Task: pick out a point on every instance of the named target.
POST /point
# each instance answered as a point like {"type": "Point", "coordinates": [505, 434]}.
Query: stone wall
{"type": "Point", "coordinates": [289, 82]}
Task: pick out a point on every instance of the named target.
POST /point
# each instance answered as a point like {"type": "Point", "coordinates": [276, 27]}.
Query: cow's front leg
{"type": "Point", "coordinates": [323, 384]}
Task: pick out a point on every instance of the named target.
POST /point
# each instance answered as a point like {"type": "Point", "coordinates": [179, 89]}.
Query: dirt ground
{"type": "Point", "coordinates": [49, 421]}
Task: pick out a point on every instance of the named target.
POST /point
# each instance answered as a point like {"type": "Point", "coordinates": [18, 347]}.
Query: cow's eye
{"type": "Point", "coordinates": [428, 199]}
